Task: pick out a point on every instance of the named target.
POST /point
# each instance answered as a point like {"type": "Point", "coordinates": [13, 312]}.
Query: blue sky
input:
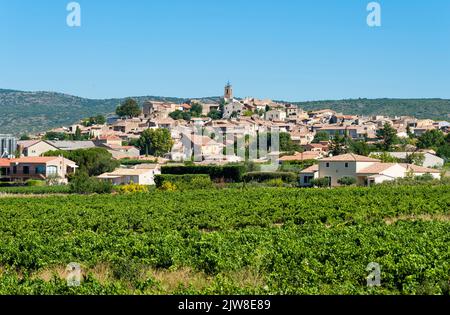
{"type": "Point", "coordinates": [279, 49]}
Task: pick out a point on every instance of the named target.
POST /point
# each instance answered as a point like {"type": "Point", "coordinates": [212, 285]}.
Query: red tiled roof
{"type": "Point", "coordinates": [419, 169]}
{"type": "Point", "coordinates": [307, 155]}
{"type": "Point", "coordinates": [312, 169]}
{"type": "Point", "coordinates": [350, 158]}
{"type": "Point", "coordinates": [34, 159]}
{"type": "Point", "coordinates": [376, 168]}
{"type": "Point", "coordinates": [5, 162]}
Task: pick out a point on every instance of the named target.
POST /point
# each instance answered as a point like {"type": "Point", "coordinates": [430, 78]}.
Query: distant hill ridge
{"type": "Point", "coordinates": [30, 112]}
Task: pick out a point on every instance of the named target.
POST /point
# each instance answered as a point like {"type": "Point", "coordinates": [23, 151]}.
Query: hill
{"type": "Point", "coordinates": [420, 108]}
{"type": "Point", "coordinates": [31, 112]}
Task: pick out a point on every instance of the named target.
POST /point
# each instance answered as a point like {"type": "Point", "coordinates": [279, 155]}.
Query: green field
{"type": "Point", "coordinates": [229, 241]}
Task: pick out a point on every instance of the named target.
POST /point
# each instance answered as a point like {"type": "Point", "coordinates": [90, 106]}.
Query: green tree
{"type": "Point", "coordinates": [388, 137]}
{"type": "Point", "coordinates": [339, 144]}
{"type": "Point", "coordinates": [385, 157]}
{"type": "Point", "coordinates": [25, 137]}
{"type": "Point", "coordinates": [77, 135]}
{"type": "Point", "coordinates": [155, 142]}
{"type": "Point", "coordinates": [444, 151]}
{"type": "Point", "coordinates": [359, 147]}
{"type": "Point", "coordinates": [96, 120]}
{"type": "Point", "coordinates": [176, 115]}
{"type": "Point", "coordinates": [92, 161]}
{"type": "Point", "coordinates": [321, 136]}
{"type": "Point", "coordinates": [52, 135]}
{"type": "Point", "coordinates": [129, 108]}
{"type": "Point", "coordinates": [196, 109]}
{"type": "Point", "coordinates": [431, 139]}
{"type": "Point", "coordinates": [409, 132]}
{"type": "Point", "coordinates": [214, 114]}
{"type": "Point", "coordinates": [248, 113]}
{"type": "Point", "coordinates": [347, 181]}
{"type": "Point", "coordinates": [415, 158]}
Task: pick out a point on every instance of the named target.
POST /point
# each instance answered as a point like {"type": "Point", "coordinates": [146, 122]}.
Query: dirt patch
{"type": "Point", "coordinates": [419, 217]}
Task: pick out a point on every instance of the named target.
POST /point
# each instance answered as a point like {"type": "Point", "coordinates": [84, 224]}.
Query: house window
{"type": "Point", "coordinates": [14, 169]}
{"type": "Point", "coordinates": [308, 179]}
{"type": "Point", "coordinates": [327, 165]}
{"type": "Point", "coordinates": [26, 170]}
{"type": "Point", "coordinates": [51, 170]}
{"type": "Point", "coordinates": [39, 169]}
{"type": "Point", "coordinates": [346, 165]}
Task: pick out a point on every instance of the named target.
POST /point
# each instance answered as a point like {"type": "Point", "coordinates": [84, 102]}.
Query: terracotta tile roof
{"type": "Point", "coordinates": [350, 157]}
{"type": "Point", "coordinates": [109, 137]}
{"type": "Point", "coordinates": [419, 169]}
{"type": "Point", "coordinates": [312, 169]}
{"type": "Point", "coordinates": [34, 159]}
{"type": "Point", "coordinates": [307, 155]}
{"type": "Point", "coordinates": [27, 143]}
{"type": "Point", "coordinates": [376, 168]}
{"type": "Point", "coordinates": [5, 162]}
{"type": "Point", "coordinates": [40, 159]}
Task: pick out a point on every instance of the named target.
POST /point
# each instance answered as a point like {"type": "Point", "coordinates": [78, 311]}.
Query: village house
{"type": "Point", "coordinates": [301, 157]}
{"type": "Point", "coordinates": [31, 148]}
{"type": "Point", "coordinates": [430, 160]}
{"type": "Point", "coordinates": [67, 145]}
{"type": "Point", "coordinates": [276, 115]}
{"type": "Point", "coordinates": [139, 175]}
{"type": "Point", "coordinates": [39, 168]}
{"type": "Point", "coordinates": [108, 140]}
{"type": "Point", "coordinates": [365, 170]}
{"type": "Point", "coordinates": [354, 132]}
{"type": "Point", "coordinates": [233, 108]}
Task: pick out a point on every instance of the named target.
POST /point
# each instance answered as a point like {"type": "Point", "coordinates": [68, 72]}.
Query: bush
{"type": "Point", "coordinates": [131, 188]}
{"type": "Point", "coordinates": [35, 183]}
{"type": "Point", "coordinates": [277, 182]}
{"type": "Point", "coordinates": [287, 177]}
{"type": "Point", "coordinates": [183, 182]}
{"type": "Point", "coordinates": [83, 184]}
{"type": "Point", "coordinates": [320, 182]}
{"type": "Point", "coordinates": [131, 162]}
{"type": "Point", "coordinates": [168, 186]}
{"type": "Point", "coordinates": [347, 181]}
{"type": "Point", "coordinates": [228, 173]}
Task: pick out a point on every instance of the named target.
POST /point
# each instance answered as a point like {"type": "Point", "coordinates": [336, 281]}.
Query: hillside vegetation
{"type": "Point", "coordinates": [419, 108]}
{"type": "Point", "coordinates": [229, 241]}
{"type": "Point", "coordinates": [30, 112]}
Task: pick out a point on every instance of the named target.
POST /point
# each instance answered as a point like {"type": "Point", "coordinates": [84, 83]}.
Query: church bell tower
{"type": "Point", "coordinates": [228, 95]}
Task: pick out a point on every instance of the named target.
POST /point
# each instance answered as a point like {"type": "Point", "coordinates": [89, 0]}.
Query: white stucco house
{"type": "Point", "coordinates": [431, 160]}
{"type": "Point", "coordinates": [365, 170]}
{"type": "Point", "coordinates": [140, 175]}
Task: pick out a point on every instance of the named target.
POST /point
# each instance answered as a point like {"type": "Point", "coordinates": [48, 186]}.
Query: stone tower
{"type": "Point", "coordinates": [228, 95]}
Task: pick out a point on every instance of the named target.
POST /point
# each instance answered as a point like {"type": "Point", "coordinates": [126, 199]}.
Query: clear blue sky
{"type": "Point", "coordinates": [279, 49]}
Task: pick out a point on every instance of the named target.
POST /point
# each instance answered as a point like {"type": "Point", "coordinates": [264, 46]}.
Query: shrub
{"type": "Point", "coordinates": [168, 186]}
{"type": "Point", "coordinates": [35, 183]}
{"type": "Point", "coordinates": [183, 182]}
{"type": "Point", "coordinates": [131, 188]}
{"type": "Point", "coordinates": [276, 182]}
{"type": "Point", "coordinates": [83, 184]}
{"type": "Point", "coordinates": [229, 173]}
{"type": "Point", "coordinates": [287, 177]}
{"type": "Point", "coordinates": [320, 182]}
{"type": "Point", "coordinates": [425, 177]}
{"type": "Point", "coordinates": [347, 181]}
{"type": "Point", "coordinates": [131, 162]}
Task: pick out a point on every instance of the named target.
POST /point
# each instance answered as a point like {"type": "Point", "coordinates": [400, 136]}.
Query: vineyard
{"type": "Point", "coordinates": [229, 241]}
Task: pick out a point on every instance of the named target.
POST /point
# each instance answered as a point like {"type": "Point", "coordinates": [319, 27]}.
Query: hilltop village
{"type": "Point", "coordinates": [322, 146]}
